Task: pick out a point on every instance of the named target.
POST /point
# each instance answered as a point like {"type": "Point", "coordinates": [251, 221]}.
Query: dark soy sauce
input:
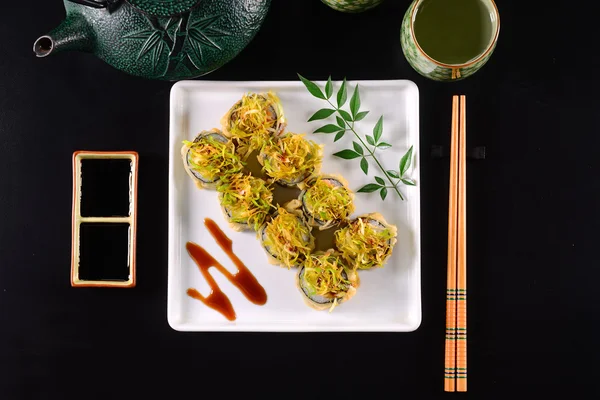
{"type": "Point", "coordinates": [253, 167]}
{"type": "Point", "coordinates": [243, 279]}
{"type": "Point", "coordinates": [282, 194]}
{"type": "Point", "coordinates": [104, 252]}
{"type": "Point", "coordinates": [105, 187]}
{"type": "Point", "coordinates": [324, 240]}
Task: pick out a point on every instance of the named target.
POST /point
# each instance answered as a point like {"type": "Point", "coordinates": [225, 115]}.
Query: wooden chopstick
{"type": "Point", "coordinates": [461, 276]}
{"type": "Point", "coordinates": [455, 374]}
{"type": "Point", "coordinates": [450, 367]}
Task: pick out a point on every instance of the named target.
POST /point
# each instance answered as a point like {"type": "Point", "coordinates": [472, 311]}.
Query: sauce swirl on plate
{"type": "Point", "coordinates": [243, 279]}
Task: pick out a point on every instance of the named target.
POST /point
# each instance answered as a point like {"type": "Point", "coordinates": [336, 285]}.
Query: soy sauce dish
{"type": "Point", "coordinates": [104, 217]}
{"type": "Point", "coordinates": [255, 127]}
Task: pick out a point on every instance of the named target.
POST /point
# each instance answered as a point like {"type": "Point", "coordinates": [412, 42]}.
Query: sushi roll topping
{"type": "Point", "coordinates": [246, 199]}
{"type": "Point", "coordinates": [328, 201]}
{"type": "Point", "coordinates": [290, 157]}
{"type": "Point", "coordinates": [326, 274]}
{"type": "Point", "coordinates": [288, 237]}
{"type": "Point", "coordinates": [212, 158]}
{"type": "Point", "coordinates": [366, 242]}
{"type": "Point", "coordinates": [255, 118]}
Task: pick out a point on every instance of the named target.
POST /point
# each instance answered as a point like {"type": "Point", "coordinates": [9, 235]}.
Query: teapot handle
{"type": "Point", "coordinates": [92, 3]}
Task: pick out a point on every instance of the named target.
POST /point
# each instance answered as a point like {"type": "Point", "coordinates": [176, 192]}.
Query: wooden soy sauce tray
{"type": "Point", "coordinates": [104, 219]}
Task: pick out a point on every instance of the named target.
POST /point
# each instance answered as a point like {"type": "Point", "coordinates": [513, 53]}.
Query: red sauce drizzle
{"type": "Point", "coordinates": [243, 279]}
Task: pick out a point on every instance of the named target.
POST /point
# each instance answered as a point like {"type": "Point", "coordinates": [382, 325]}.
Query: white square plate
{"type": "Point", "coordinates": [388, 298]}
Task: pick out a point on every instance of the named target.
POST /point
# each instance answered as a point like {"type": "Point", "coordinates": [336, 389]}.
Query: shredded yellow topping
{"type": "Point", "coordinates": [328, 202]}
{"type": "Point", "coordinates": [247, 199]}
{"type": "Point", "coordinates": [288, 238]}
{"type": "Point", "coordinates": [291, 158]}
{"type": "Point", "coordinates": [254, 119]}
{"type": "Point", "coordinates": [325, 274]}
{"type": "Point", "coordinates": [365, 244]}
{"type": "Point", "coordinates": [212, 158]}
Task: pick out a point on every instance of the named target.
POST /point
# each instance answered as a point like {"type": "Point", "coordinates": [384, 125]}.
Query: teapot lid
{"type": "Point", "coordinates": [163, 8]}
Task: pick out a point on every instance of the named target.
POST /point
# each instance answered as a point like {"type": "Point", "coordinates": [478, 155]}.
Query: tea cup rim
{"type": "Point", "coordinates": [462, 65]}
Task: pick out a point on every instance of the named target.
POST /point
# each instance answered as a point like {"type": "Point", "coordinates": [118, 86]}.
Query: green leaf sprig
{"type": "Point", "coordinates": [345, 121]}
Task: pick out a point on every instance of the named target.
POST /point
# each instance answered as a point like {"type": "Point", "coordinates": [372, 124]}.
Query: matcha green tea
{"type": "Point", "coordinates": [453, 31]}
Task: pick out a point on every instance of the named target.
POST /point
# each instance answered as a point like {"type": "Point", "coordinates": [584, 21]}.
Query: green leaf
{"type": "Point", "coordinates": [312, 88]}
{"type": "Point", "coordinates": [380, 180]}
{"type": "Point", "coordinates": [330, 128]}
{"type": "Point", "coordinates": [328, 88]}
{"type": "Point", "coordinates": [206, 22]}
{"type": "Point", "coordinates": [321, 114]}
{"type": "Point", "coordinates": [383, 193]}
{"type": "Point", "coordinates": [378, 130]}
{"type": "Point", "coordinates": [215, 33]}
{"type": "Point", "coordinates": [361, 115]}
{"type": "Point", "coordinates": [355, 102]}
{"type": "Point", "coordinates": [196, 51]}
{"type": "Point", "coordinates": [358, 148]}
{"type": "Point", "coordinates": [393, 174]}
{"type": "Point", "coordinates": [339, 135]}
{"type": "Point", "coordinates": [345, 115]}
{"type": "Point", "coordinates": [341, 122]}
{"type": "Point", "coordinates": [198, 36]}
{"type": "Point", "coordinates": [370, 140]}
{"type": "Point", "coordinates": [157, 54]}
{"type": "Point", "coordinates": [364, 165]}
{"type": "Point", "coordinates": [347, 154]}
{"type": "Point", "coordinates": [405, 161]}
{"type": "Point", "coordinates": [342, 94]}
{"type": "Point", "coordinates": [139, 35]}
{"type": "Point", "coordinates": [369, 188]}
{"type": "Point", "coordinates": [409, 182]}
{"type": "Point", "coordinates": [384, 145]}
{"type": "Point", "coordinates": [149, 44]}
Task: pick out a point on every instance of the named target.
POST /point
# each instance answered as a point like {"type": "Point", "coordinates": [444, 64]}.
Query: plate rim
{"type": "Point", "coordinates": [185, 85]}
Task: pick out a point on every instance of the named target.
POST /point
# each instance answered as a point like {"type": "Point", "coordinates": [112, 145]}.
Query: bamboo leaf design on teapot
{"type": "Point", "coordinates": [183, 43]}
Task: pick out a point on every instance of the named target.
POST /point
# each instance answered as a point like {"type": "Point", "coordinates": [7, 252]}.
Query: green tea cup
{"type": "Point", "coordinates": [449, 40]}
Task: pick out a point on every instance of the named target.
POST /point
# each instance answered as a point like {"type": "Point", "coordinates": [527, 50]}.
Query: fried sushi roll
{"type": "Point", "coordinates": [286, 238]}
{"type": "Point", "coordinates": [326, 201]}
{"type": "Point", "coordinates": [290, 159]}
{"type": "Point", "coordinates": [325, 280]}
{"type": "Point", "coordinates": [253, 120]}
{"type": "Point", "coordinates": [246, 201]}
{"type": "Point", "coordinates": [367, 241]}
{"type": "Point", "coordinates": [210, 157]}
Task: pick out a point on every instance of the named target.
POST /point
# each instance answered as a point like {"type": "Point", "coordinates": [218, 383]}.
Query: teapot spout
{"type": "Point", "coordinates": [74, 34]}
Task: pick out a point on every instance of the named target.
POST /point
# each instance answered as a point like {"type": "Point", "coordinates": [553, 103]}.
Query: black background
{"type": "Point", "coordinates": [533, 218]}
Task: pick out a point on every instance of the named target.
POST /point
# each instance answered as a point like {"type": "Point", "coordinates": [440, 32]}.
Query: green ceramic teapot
{"type": "Point", "coordinates": [157, 39]}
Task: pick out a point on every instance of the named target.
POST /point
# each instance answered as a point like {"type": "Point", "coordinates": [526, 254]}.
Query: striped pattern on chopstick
{"type": "Point", "coordinates": [455, 374]}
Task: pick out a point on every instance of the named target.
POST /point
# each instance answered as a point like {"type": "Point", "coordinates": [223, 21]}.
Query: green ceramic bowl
{"type": "Point", "coordinates": [352, 6]}
{"type": "Point", "coordinates": [438, 71]}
